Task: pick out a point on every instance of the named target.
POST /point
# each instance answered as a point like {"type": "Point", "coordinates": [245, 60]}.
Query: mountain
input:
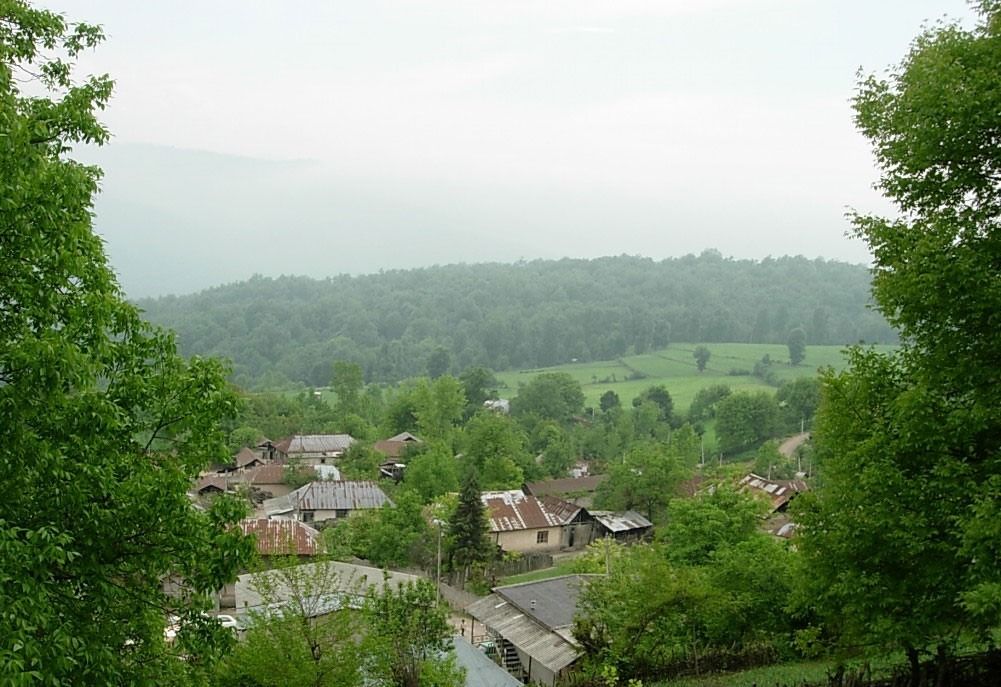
{"type": "Point", "coordinates": [516, 315]}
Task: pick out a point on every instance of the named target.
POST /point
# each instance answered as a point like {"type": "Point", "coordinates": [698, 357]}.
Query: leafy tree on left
{"type": "Point", "coordinates": [104, 425]}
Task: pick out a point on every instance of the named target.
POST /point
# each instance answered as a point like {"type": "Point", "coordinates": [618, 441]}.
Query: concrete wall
{"type": "Point", "coordinates": [525, 541]}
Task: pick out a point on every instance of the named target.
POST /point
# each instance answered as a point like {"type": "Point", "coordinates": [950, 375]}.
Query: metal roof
{"type": "Point", "coordinates": [779, 492]}
{"type": "Point", "coordinates": [480, 670]}
{"type": "Point", "coordinates": [316, 443]}
{"type": "Point", "coordinates": [552, 602]}
{"type": "Point", "coordinates": [621, 522]}
{"type": "Point", "coordinates": [553, 650]}
{"type": "Point", "coordinates": [514, 510]}
{"type": "Point", "coordinates": [281, 536]}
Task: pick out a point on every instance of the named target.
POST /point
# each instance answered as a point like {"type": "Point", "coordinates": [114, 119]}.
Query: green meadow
{"type": "Point", "coordinates": [674, 367]}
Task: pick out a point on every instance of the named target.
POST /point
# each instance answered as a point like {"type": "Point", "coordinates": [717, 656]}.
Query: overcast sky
{"type": "Point", "coordinates": [353, 136]}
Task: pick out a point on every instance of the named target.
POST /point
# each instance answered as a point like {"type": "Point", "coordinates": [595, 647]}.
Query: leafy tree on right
{"type": "Point", "coordinates": [902, 538]}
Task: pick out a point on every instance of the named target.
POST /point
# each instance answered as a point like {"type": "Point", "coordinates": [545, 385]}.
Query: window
{"type": "Point", "coordinates": [342, 512]}
{"type": "Point", "coordinates": [307, 516]}
{"type": "Point", "coordinates": [542, 537]}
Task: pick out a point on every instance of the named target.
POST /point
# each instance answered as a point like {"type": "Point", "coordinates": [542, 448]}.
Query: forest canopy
{"type": "Point", "coordinates": [402, 323]}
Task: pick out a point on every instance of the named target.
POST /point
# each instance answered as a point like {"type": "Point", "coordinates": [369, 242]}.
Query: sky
{"type": "Point", "coordinates": [322, 137]}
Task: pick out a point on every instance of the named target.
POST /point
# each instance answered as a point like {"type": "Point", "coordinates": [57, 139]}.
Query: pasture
{"type": "Point", "coordinates": [675, 368]}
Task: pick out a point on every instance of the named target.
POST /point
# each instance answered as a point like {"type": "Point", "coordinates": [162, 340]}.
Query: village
{"type": "Point", "coordinates": [516, 634]}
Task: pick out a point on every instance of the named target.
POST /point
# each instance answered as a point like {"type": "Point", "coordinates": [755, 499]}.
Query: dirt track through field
{"type": "Point", "coordinates": [789, 446]}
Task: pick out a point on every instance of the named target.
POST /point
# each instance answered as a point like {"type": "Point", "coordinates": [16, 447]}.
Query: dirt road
{"type": "Point", "coordinates": [789, 446]}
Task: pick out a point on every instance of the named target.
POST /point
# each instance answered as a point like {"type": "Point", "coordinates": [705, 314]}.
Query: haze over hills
{"type": "Point", "coordinates": [178, 221]}
{"type": "Point", "coordinates": [403, 323]}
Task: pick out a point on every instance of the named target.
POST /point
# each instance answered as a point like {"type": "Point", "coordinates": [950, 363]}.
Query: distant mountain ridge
{"type": "Point", "coordinates": [288, 329]}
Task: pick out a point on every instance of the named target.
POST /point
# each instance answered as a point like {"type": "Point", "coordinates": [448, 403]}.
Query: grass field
{"type": "Point", "coordinates": [674, 367]}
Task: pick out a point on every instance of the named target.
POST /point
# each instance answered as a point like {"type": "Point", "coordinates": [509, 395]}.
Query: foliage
{"type": "Point", "coordinates": [892, 561]}
{"type": "Point", "coordinates": [698, 527]}
{"type": "Point", "coordinates": [400, 535]}
{"type": "Point", "coordinates": [797, 346]}
{"type": "Point", "coordinates": [478, 384]}
{"type": "Point", "coordinates": [706, 401]}
{"type": "Point", "coordinates": [609, 400]}
{"type": "Point", "coordinates": [550, 396]}
{"type": "Point", "coordinates": [104, 426]}
{"type": "Point", "coordinates": [298, 640]}
{"type": "Point", "coordinates": [494, 445]}
{"type": "Point", "coordinates": [347, 383]}
{"type": "Point", "coordinates": [438, 406]}
{"type": "Point", "coordinates": [408, 637]}
{"type": "Point", "coordinates": [646, 480]}
{"type": "Point", "coordinates": [432, 473]}
{"type": "Point", "coordinates": [744, 420]}
{"type": "Point", "coordinates": [701, 355]}
{"type": "Point", "coordinates": [523, 316]}
{"type": "Point", "coordinates": [360, 462]}
{"type": "Point", "coordinates": [659, 396]}
{"type": "Point", "coordinates": [469, 545]}
{"type": "Point", "coordinates": [798, 401]}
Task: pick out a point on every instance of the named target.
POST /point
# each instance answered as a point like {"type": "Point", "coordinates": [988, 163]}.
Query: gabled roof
{"type": "Point", "coordinates": [272, 473]}
{"type": "Point", "coordinates": [621, 522]}
{"type": "Point", "coordinates": [282, 536]}
{"type": "Point", "coordinates": [246, 456]}
{"type": "Point", "coordinates": [405, 436]}
{"type": "Point", "coordinates": [564, 485]}
{"type": "Point", "coordinates": [315, 443]}
{"type": "Point", "coordinates": [514, 510]}
{"type": "Point", "coordinates": [211, 483]}
{"type": "Point", "coordinates": [328, 496]}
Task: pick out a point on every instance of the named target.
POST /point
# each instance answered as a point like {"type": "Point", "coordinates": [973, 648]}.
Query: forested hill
{"type": "Point", "coordinates": [528, 314]}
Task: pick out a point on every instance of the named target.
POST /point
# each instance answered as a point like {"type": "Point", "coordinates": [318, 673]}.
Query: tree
{"type": "Point", "coordinates": [439, 405]}
{"type": "Point", "coordinates": [797, 346]}
{"type": "Point", "coordinates": [904, 429]}
{"type": "Point", "coordinates": [701, 355]}
{"type": "Point", "coordinates": [798, 401]}
{"type": "Point", "coordinates": [468, 543]}
{"type": "Point", "coordinates": [409, 637]}
{"type": "Point", "coordinates": [705, 402]}
{"type": "Point", "coordinates": [495, 447]}
{"type": "Point", "coordinates": [347, 382]}
{"type": "Point", "coordinates": [744, 420]}
{"type": "Point", "coordinates": [646, 480]}
{"type": "Point", "coordinates": [550, 396]}
{"type": "Point", "coordinates": [316, 643]}
{"type": "Point", "coordinates": [478, 384]}
{"type": "Point", "coordinates": [105, 426]}
{"type": "Point", "coordinates": [609, 400]}
{"type": "Point", "coordinates": [661, 397]}
{"type": "Point", "coordinates": [438, 362]}
{"type": "Point", "coordinates": [432, 473]}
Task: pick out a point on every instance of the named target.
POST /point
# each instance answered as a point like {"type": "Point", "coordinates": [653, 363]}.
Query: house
{"type": "Point", "coordinates": [317, 588]}
{"type": "Point", "coordinates": [499, 405]}
{"type": "Point", "coordinates": [577, 490]}
{"type": "Point", "coordinates": [248, 459]}
{"type": "Point", "coordinates": [395, 447]}
{"type": "Point", "coordinates": [313, 449]}
{"type": "Point", "coordinates": [527, 524]}
{"type": "Point", "coordinates": [778, 492]}
{"type": "Point", "coordinates": [211, 484]}
{"type": "Point", "coordinates": [531, 626]}
{"type": "Point", "coordinates": [625, 527]}
{"type": "Point", "coordinates": [326, 500]}
{"type": "Point", "coordinates": [282, 537]}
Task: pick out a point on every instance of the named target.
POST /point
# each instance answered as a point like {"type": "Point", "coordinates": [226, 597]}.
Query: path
{"type": "Point", "coordinates": [789, 446]}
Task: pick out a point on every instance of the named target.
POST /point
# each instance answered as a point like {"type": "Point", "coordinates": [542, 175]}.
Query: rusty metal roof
{"type": "Point", "coordinates": [246, 456]}
{"type": "Point", "coordinates": [621, 522]}
{"type": "Point", "coordinates": [282, 536]}
{"type": "Point", "coordinates": [211, 483]}
{"type": "Point", "coordinates": [514, 510]}
{"type": "Point", "coordinates": [779, 492]}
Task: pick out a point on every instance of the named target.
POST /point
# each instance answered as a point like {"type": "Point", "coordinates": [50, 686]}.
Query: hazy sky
{"type": "Point", "coordinates": [353, 136]}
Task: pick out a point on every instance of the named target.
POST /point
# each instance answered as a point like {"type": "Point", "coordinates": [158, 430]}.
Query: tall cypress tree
{"type": "Point", "coordinates": [469, 544]}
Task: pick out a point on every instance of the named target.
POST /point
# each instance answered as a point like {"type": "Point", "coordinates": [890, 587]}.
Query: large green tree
{"type": "Point", "coordinates": [894, 560]}
{"type": "Point", "coordinates": [104, 426]}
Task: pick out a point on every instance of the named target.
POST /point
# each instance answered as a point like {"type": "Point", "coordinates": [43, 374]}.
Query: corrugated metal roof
{"type": "Point", "coordinates": [329, 496]}
{"type": "Point", "coordinates": [779, 492]}
{"type": "Point", "coordinates": [315, 443]}
{"type": "Point", "coordinates": [480, 670]}
{"type": "Point", "coordinates": [405, 436]}
{"type": "Point", "coordinates": [281, 536]}
{"type": "Point", "coordinates": [502, 617]}
{"type": "Point", "coordinates": [621, 522]}
{"type": "Point", "coordinates": [514, 510]}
